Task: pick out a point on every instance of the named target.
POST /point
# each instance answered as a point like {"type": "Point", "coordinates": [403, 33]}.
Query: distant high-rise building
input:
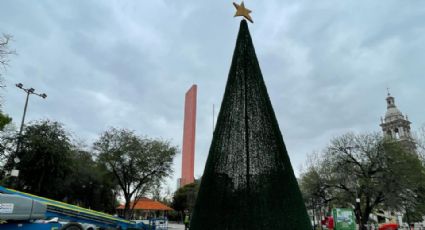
{"type": "Point", "coordinates": [397, 126]}
{"type": "Point", "coordinates": [188, 151]}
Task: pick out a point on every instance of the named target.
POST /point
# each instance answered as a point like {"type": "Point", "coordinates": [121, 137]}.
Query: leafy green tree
{"type": "Point", "coordinates": [137, 163]}
{"type": "Point", "coordinates": [185, 197]}
{"type": "Point", "coordinates": [314, 183]}
{"type": "Point", "coordinates": [7, 147]}
{"type": "Point", "coordinates": [317, 193]}
{"type": "Point", "coordinates": [415, 213]}
{"type": "Point", "coordinates": [4, 120]}
{"type": "Point", "coordinates": [420, 141]}
{"type": "Point", "coordinates": [90, 184]}
{"type": "Point", "coordinates": [45, 155]}
{"type": "Point", "coordinates": [51, 165]}
{"type": "Point", "coordinates": [381, 173]}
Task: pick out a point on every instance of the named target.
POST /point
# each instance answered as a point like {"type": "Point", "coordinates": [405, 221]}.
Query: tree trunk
{"type": "Point", "coordinates": [127, 214]}
{"type": "Point", "coordinates": [365, 217]}
{"type": "Point", "coordinates": [407, 219]}
{"type": "Point", "coordinates": [359, 217]}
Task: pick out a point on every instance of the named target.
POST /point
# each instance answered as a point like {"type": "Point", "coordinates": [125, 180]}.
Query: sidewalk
{"type": "Point", "coordinates": [174, 226]}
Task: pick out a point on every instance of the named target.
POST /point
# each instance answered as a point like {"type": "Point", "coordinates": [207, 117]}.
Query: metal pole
{"type": "Point", "coordinates": [25, 112]}
{"type": "Point", "coordinates": [22, 123]}
{"type": "Point", "coordinates": [314, 219]}
{"type": "Point", "coordinates": [28, 91]}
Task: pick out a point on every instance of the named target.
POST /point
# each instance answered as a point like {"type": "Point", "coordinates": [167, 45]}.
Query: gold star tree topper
{"type": "Point", "coordinates": [242, 11]}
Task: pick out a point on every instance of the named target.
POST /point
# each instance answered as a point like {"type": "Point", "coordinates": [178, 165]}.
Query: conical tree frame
{"type": "Point", "coordinates": [248, 182]}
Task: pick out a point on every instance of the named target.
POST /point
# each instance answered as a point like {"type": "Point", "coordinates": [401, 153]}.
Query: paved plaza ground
{"type": "Point", "coordinates": [174, 226]}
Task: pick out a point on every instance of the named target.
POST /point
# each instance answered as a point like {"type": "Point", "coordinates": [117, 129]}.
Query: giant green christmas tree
{"type": "Point", "coordinates": [248, 182]}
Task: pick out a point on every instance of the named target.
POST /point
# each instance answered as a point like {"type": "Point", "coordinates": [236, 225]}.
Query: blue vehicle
{"type": "Point", "coordinates": [23, 211]}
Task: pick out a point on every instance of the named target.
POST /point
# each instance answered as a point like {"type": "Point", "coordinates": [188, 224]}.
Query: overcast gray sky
{"type": "Point", "coordinates": [128, 64]}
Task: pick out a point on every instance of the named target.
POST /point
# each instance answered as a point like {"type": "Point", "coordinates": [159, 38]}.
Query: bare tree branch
{"type": "Point", "coordinates": [5, 51]}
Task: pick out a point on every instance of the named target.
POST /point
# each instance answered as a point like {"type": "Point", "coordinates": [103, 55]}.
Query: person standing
{"type": "Point", "coordinates": [186, 220]}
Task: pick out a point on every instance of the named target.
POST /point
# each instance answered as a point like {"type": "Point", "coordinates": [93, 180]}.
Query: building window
{"type": "Point", "coordinates": [397, 135]}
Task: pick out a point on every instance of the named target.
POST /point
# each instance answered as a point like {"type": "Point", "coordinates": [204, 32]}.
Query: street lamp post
{"type": "Point", "coordinates": [28, 91]}
{"type": "Point", "coordinates": [358, 210]}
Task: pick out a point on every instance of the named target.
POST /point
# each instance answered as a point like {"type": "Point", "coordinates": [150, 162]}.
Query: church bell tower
{"type": "Point", "coordinates": [396, 126]}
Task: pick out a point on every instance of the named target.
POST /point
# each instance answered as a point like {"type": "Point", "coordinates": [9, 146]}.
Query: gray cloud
{"type": "Point", "coordinates": [128, 64]}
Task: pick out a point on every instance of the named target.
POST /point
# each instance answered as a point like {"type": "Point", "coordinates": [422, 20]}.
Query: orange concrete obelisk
{"type": "Point", "coordinates": [188, 160]}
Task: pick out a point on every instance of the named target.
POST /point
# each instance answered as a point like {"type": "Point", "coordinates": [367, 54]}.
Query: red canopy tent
{"type": "Point", "coordinates": [145, 208]}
